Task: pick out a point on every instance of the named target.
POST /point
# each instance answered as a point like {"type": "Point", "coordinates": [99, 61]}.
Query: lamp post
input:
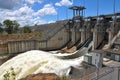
{"type": "Point", "coordinates": [84, 5]}
{"type": "Point", "coordinates": [97, 7]}
{"type": "Point", "coordinates": [66, 13]}
{"type": "Point", "coordinates": [57, 14]}
{"type": "Point", "coordinates": [114, 6]}
{"type": "Point", "coordinates": [114, 10]}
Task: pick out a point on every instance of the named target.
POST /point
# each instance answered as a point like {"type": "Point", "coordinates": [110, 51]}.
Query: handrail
{"type": "Point", "coordinates": [102, 75]}
{"type": "Point", "coordinates": [92, 76]}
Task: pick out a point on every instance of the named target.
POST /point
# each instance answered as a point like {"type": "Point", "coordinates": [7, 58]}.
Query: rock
{"type": "Point", "coordinates": [41, 76]}
{"type": "Point", "coordinates": [66, 50]}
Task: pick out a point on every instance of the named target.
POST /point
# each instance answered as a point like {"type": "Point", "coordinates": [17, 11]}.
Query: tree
{"type": "Point", "coordinates": [16, 27]}
{"type": "Point", "coordinates": [11, 26]}
{"type": "Point", "coordinates": [1, 29]}
{"type": "Point", "coordinates": [26, 29]}
{"type": "Point", "coordinates": [8, 26]}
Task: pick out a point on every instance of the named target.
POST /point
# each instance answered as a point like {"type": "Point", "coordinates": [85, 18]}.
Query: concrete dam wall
{"type": "Point", "coordinates": [64, 34]}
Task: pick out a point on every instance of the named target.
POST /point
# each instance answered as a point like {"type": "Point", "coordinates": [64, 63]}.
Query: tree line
{"type": "Point", "coordinates": [13, 27]}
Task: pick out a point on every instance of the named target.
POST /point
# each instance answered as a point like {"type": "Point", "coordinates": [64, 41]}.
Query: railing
{"type": "Point", "coordinates": [104, 74]}
{"type": "Point", "coordinates": [98, 74]}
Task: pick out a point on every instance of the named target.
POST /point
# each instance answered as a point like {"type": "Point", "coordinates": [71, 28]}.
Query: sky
{"type": "Point", "coordinates": [31, 12]}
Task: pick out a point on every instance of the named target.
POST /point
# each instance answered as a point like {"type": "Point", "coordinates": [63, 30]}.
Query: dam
{"type": "Point", "coordinates": [77, 32]}
{"type": "Point", "coordinates": [85, 40]}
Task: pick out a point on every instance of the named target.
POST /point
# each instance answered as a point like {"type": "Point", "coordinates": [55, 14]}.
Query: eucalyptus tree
{"type": "Point", "coordinates": [11, 26]}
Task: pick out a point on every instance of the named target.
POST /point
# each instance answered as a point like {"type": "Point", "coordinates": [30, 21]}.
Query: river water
{"type": "Point", "coordinates": [36, 61]}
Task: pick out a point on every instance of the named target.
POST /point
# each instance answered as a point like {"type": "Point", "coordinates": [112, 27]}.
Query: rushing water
{"type": "Point", "coordinates": [35, 61]}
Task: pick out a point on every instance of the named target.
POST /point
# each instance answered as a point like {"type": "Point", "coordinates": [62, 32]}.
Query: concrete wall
{"type": "Point", "coordinates": [85, 35]}
{"type": "Point", "coordinates": [75, 36]}
{"type": "Point", "coordinates": [3, 47]}
{"type": "Point", "coordinates": [56, 42]}
{"type": "Point", "coordinates": [97, 39]}
{"type": "Point", "coordinates": [97, 59]}
{"type": "Point", "coordinates": [59, 40]}
{"type": "Point", "coordinates": [21, 46]}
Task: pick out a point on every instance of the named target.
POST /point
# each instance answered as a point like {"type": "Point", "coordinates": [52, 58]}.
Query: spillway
{"type": "Point", "coordinates": [35, 61]}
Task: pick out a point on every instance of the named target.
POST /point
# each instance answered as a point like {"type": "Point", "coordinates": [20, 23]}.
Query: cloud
{"type": "Point", "coordinates": [48, 9]}
{"type": "Point", "coordinates": [31, 2]}
{"type": "Point", "coordinates": [64, 3]}
{"type": "Point", "coordinates": [24, 16]}
{"type": "Point", "coordinates": [10, 4]}
{"type": "Point", "coordinates": [51, 21]}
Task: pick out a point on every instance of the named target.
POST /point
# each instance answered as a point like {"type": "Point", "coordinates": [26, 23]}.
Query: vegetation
{"type": "Point", "coordinates": [11, 75]}
{"type": "Point", "coordinates": [11, 26]}
{"type": "Point", "coordinates": [1, 29]}
{"type": "Point", "coordinates": [26, 29]}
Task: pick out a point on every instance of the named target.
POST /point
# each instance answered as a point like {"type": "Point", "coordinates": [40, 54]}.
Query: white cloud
{"type": "Point", "coordinates": [24, 16]}
{"type": "Point", "coordinates": [31, 2]}
{"type": "Point", "coordinates": [48, 9]}
{"type": "Point", "coordinates": [64, 3]}
{"type": "Point", "coordinates": [20, 12]}
{"type": "Point", "coordinates": [9, 4]}
{"type": "Point", "coordinates": [51, 22]}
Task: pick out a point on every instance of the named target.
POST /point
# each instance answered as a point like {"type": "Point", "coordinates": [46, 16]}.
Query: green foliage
{"type": "Point", "coordinates": [26, 29]}
{"type": "Point", "coordinates": [1, 29]}
{"type": "Point", "coordinates": [6, 76]}
{"type": "Point", "coordinates": [11, 26]}
{"type": "Point", "coordinates": [11, 75]}
{"type": "Point", "coordinates": [16, 27]}
{"type": "Point", "coordinates": [8, 26]}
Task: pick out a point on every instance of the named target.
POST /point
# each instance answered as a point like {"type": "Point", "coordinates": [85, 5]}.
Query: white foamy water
{"type": "Point", "coordinates": [33, 62]}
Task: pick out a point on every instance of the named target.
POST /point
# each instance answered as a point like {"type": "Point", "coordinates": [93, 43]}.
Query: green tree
{"type": "Point", "coordinates": [26, 29]}
{"type": "Point", "coordinates": [11, 26]}
{"type": "Point", "coordinates": [8, 26]}
{"type": "Point", "coordinates": [1, 29]}
{"type": "Point", "coordinates": [16, 27]}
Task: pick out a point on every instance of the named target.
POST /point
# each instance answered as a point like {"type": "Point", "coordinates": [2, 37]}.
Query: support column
{"type": "Point", "coordinates": [83, 35]}
{"type": "Point", "coordinates": [95, 40]}
{"type": "Point", "coordinates": [111, 35]}
{"type": "Point", "coordinates": [73, 36]}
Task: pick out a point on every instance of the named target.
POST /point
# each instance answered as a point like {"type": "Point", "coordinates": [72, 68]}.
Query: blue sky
{"type": "Point", "coordinates": [31, 12]}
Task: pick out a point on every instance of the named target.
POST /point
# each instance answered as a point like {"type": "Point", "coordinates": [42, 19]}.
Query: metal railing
{"type": "Point", "coordinates": [98, 74]}
{"type": "Point", "coordinates": [104, 74]}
